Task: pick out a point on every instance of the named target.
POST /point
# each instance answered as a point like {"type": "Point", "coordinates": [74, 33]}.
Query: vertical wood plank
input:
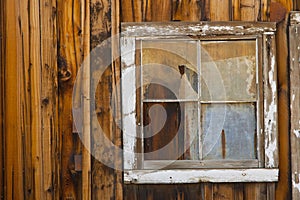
{"type": "Point", "coordinates": [265, 10]}
{"type": "Point", "coordinates": [220, 10]}
{"type": "Point", "coordinates": [239, 191]}
{"type": "Point", "coordinates": [132, 11]}
{"type": "Point", "coordinates": [161, 10]}
{"type": "Point", "coordinates": [106, 182]}
{"type": "Point", "coordinates": [13, 138]}
{"type": "Point", "coordinates": [26, 101]}
{"type": "Point", "coordinates": [271, 191]}
{"type": "Point", "coordinates": [236, 9]}
{"type": "Point", "coordinates": [248, 10]}
{"type": "Point", "coordinates": [35, 86]}
{"type": "Point", "coordinates": [296, 5]}
{"type": "Point", "coordinates": [86, 157]}
{"type": "Point", "coordinates": [284, 184]}
{"type": "Point", "coordinates": [116, 78]}
{"type": "Point", "coordinates": [69, 57]}
{"type": "Point", "coordinates": [255, 191]}
{"type": "Point", "coordinates": [270, 102]}
{"type": "Point", "coordinates": [49, 99]}
{"type": "Point", "coordinates": [1, 100]}
{"type": "Point", "coordinates": [186, 10]}
{"type": "Point", "coordinates": [223, 191]}
{"type": "Point", "coordinates": [294, 32]}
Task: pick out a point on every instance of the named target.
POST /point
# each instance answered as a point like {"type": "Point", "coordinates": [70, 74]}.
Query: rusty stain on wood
{"type": "Point", "coordinates": [277, 12]}
{"type": "Point", "coordinates": [223, 139]}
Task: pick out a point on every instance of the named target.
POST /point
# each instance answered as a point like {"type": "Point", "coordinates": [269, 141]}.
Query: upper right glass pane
{"type": "Point", "coordinates": [228, 70]}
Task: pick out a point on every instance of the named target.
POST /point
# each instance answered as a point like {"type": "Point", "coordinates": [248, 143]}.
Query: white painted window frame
{"type": "Point", "coordinates": [267, 170]}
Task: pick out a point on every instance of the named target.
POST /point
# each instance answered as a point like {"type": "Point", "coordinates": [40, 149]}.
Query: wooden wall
{"type": "Point", "coordinates": [43, 43]}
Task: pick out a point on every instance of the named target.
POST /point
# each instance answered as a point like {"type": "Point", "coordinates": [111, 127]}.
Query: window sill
{"type": "Point", "coordinates": [200, 175]}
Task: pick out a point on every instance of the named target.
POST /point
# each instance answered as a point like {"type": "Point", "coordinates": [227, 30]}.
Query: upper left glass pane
{"type": "Point", "coordinates": [172, 66]}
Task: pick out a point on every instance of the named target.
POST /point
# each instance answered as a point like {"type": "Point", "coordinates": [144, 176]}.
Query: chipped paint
{"type": "Point", "coordinates": [297, 133]}
{"type": "Point", "coordinates": [196, 28]}
{"type": "Point", "coordinates": [295, 18]}
{"type": "Point", "coordinates": [270, 117]}
{"type": "Point", "coordinates": [129, 121]}
{"type": "Point", "coordinates": [295, 184]}
{"type": "Point", "coordinates": [128, 101]}
{"type": "Point", "coordinates": [197, 176]}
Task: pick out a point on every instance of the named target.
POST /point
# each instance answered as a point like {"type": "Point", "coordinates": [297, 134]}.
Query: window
{"type": "Point", "coordinates": [199, 102]}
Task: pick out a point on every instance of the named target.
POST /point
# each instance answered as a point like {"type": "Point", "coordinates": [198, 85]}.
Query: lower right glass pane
{"type": "Point", "coordinates": [229, 131]}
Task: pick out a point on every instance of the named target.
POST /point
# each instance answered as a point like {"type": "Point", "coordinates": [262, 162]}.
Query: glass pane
{"type": "Point", "coordinates": [171, 131]}
{"type": "Point", "coordinates": [228, 70]}
{"type": "Point", "coordinates": [228, 131]}
{"type": "Point", "coordinates": [170, 64]}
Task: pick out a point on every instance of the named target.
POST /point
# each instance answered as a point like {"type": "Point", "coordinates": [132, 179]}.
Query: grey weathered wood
{"type": "Point", "coordinates": [192, 164]}
{"type": "Point", "coordinates": [195, 28]}
{"type": "Point", "coordinates": [295, 18]}
{"type": "Point", "coordinates": [129, 102]}
{"type": "Point", "coordinates": [270, 101]}
{"type": "Point", "coordinates": [294, 35]}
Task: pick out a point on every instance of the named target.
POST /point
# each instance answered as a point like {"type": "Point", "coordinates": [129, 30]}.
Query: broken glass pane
{"type": "Point", "coordinates": [228, 70]}
{"type": "Point", "coordinates": [171, 64]}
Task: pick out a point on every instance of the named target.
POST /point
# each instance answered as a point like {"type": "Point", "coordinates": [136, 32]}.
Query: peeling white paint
{"type": "Point", "coordinates": [297, 133]}
{"type": "Point", "coordinates": [177, 28]}
{"type": "Point", "coordinates": [295, 18]}
{"type": "Point", "coordinates": [296, 185]}
{"type": "Point", "coordinates": [197, 176]}
{"type": "Point", "coordinates": [128, 102]}
{"type": "Point", "coordinates": [129, 120]}
{"type": "Point", "coordinates": [270, 118]}
{"type": "Point", "coordinates": [128, 51]}
{"type": "Point", "coordinates": [293, 97]}
{"type": "Point", "coordinates": [270, 149]}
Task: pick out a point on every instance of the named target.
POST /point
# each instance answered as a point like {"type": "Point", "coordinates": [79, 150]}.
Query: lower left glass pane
{"type": "Point", "coordinates": [171, 131]}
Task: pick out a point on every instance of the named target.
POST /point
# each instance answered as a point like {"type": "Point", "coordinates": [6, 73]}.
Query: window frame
{"type": "Point", "coordinates": [197, 170]}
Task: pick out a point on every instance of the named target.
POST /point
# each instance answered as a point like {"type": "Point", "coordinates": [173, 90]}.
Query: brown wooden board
{"type": "Point", "coordinates": [106, 180]}
{"type": "Point", "coordinates": [69, 59]}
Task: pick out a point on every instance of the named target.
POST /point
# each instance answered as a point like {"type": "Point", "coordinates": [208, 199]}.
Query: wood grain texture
{"type": "Point", "coordinates": [295, 105]}
{"type": "Point", "coordinates": [284, 184]}
{"type": "Point", "coordinates": [186, 10]}
{"type": "Point", "coordinates": [13, 139]}
{"type": "Point", "coordinates": [106, 181]}
{"type": "Point", "coordinates": [255, 191]}
{"type": "Point", "coordinates": [296, 5]}
{"type": "Point", "coordinates": [35, 87]}
{"type": "Point", "coordinates": [69, 58]}
{"type": "Point", "coordinates": [49, 100]}
{"type": "Point", "coordinates": [26, 101]}
{"type": "Point", "coordinates": [270, 101]}
{"type": "Point", "coordinates": [1, 100]}
{"type": "Point", "coordinates": [86, 78]}
{"type": "Point", "coordinates": [265, 10]}
{"type": "Point", "coordinates": [220, 10]}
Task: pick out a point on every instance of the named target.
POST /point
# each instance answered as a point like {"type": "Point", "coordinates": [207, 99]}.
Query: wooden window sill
{"type": "Point", "coordinates": [200, 175]}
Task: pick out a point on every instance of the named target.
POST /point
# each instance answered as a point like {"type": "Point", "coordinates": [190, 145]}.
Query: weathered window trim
{"type": "Point", "coordinates": [198, 176]}
{"type": "Point", "coordinates": [267, 144]}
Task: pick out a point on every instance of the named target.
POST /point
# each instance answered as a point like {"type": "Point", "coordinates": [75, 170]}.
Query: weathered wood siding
{"type": "Point", "coordinates": [295, 101]}
{"type": "Point", "coordinates": [43, 43]}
